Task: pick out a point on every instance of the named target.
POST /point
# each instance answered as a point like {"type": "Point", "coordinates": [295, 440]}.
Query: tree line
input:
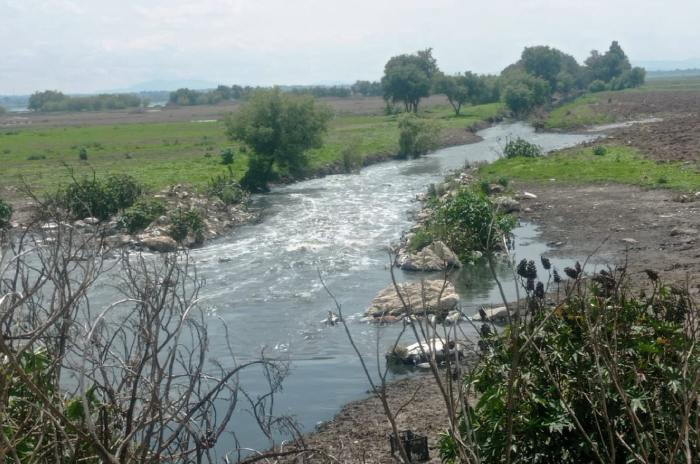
{"type": "Point", "coordinates": [542, 74]}
{"type": "Point", "coordinates": [52, 100]}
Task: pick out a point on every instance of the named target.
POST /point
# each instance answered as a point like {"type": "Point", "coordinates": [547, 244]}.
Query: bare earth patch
{"type": "Point", "coordinates": [613, 222]}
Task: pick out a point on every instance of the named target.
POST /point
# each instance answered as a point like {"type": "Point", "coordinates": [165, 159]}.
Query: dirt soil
{"type": "Point", "coordinates": [651, 229]}
{"type": "Point", "coordinates": [359, 432]}
{"type": "Point", "coordinates": [675, 138]}
{"type": "Point", "coordinates": [341, 106]}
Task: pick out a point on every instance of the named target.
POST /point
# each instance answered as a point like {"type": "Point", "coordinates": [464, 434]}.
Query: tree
{"type": "Point", "coordinates": [609, 65]}
{"type": "Point", "coordinates": [549, 63]}
{"type": "Point", "coordinates": [278, 128]}
{"type": "Point", "coordinates": [454, 88]}
{"type": "Point", "coordinates": [38, 100]}
{"type": "Point", "coordinates": [408, 78]}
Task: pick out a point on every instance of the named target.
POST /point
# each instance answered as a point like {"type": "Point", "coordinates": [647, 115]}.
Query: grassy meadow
{"type": "Point", "coordinates": [162, 154]}
{"type": "Point", "coordinates": [619, 164]}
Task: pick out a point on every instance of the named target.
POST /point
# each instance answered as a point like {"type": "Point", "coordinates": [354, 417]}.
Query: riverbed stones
{"type": "Point", "coordinates": [159, 243]}
{"type": "Point", "coordinates": [683, 231]}
{"type": "Point", "coordinates": [496, 315]}
{"type": "Point", "coordinates": [435, 257]}
{"type": "Point", "coordinates": [429, 296]}
{"type": "Point", "coordinates": [507, 204]}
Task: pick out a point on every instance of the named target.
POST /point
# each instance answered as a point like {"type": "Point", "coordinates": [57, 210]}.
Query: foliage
{"type": "Point", "coordinates": [465, 88]}
{"type": "Point", "coordinates": [82, 154]}
{"type": "Point", "coordinates": [600, 377]}
{"type": "Point", "coordinates": [351, 156]}
{"type": "Point", "coordinates": [522, 92]}
{"type": "Point", "coordinates": [5, 214]}
{"type": "Point", "coordinates": [408, 78]}
{"type": "Point", "coordinates": [226, 188]}
{"type": "Point", "coordinates": [419, 240]}
{"type": "Point", "coordinates": [141, 214]}
{"type": "Point", "coordinates": [552, 65]}
{"type": "Point", "coordinates": [596, 86]}
{"type": "Point", "coordinates": [608, 65]}
{"type": "Point", "coordinates": [599, 150]}
{"type": "Point", "coordinates": [521, 147]}
{"type": "Point", "coordinates": [51, 100]}
{"type": "Point", "coordinates": [469, 222]}
{"type": "Point", "coordinates": [367, 88]}
{"type": "Point", "coordinates": [101, 198]}
{"type": "Point", "coordinates": [621, 164]}
{"type": "Point", "coordinates": [416, 136]}
{"type": "Point", "coordinates": [279, 128]}
{"type": "Point", "coordinates": [184, 224]}
{"type": "Point", "coordinates": [227, 156]}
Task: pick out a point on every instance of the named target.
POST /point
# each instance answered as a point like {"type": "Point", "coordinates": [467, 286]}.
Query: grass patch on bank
{"type": "Point", "coordinates": [578, 113]}
{"type": "Point", "coordinates": [162, 154]}
{"type": "Point", "coordinates": [619, 164]}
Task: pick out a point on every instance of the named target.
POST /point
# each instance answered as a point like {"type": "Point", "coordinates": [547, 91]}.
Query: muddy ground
{"type": "Point", "coordinates": [676, 137]}
{"type": "Point", "coordinates": [354, 106]}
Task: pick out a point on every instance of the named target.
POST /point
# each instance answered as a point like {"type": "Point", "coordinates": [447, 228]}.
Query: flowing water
{"type": "Point", "coordinates": [262, 280]}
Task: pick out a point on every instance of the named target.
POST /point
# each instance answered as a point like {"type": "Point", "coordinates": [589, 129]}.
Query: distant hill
{"type": "Point", "coordinates": [669, 65]}
{"type": "Point", "coordinates": [167, 85]}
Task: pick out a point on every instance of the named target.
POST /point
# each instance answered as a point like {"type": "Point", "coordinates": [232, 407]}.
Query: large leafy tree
{"type": "Point", "coordinates": [467, 88]}
{"type": "Point", "coordinates": [408, 78]}
{"type": "Point", "coordinates": [609, 65]}
{"type": "Point", "coordinates": [560, 70]}
{"type": "Point", "coordinates": [279, 128]}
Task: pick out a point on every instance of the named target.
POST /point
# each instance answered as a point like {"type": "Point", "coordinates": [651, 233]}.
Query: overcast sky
{"type": "Point", "coordinates": [92, 45]}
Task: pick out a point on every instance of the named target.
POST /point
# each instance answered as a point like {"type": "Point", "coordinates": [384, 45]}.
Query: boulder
{"type": "Point", "coordinates": [387, 301]}
{"type": "Point", "coordinates": [119, 240]}
{"type": "Point", "coordinates": [91, 221]}
{"type": "Point", "coordinates": [498, 315]}
{"type": "Point", "coordinates": [159, 243]}
{"type": "Point", "coordinates": [435, 257]}
{"type": "Point", "coordinates": [507, 204]}
{"type": "Point", "coordinates": [529, 196]}
{"type": "Point", "coordinates": [683, 231]}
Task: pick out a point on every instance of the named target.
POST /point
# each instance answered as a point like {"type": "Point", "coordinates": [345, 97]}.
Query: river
{"type": "Point", "coordinates": [262, 280]}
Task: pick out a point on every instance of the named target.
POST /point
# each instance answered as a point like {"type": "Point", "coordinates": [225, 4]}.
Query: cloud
{"type": "Point", "coordinates": [89, 45]}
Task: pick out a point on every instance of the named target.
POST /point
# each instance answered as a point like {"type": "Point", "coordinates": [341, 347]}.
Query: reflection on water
{"type": "Point", "coordinates": [268, 292]}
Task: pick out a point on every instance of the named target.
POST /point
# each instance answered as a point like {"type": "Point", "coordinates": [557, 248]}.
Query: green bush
{"type": "Point", "coordinates": [521, 147]}
{"type": "Point", "coordinates": [600, 377]}
{"type": "Point", "coordinates": [596, 86]}
{"type": "Point", "coordinates": [421, 239]}
{"type": "Point", "coordinates": [82, 154]}
{"type": "Point", "coordinates": [96, 197]}
{"type": "Point", "coordinates": [5, 214]}
{"type": "Point", "coordinates": [416, 136]}
{"type": "Point", "coordinates": [469, 222]}
{"type": "Point", "coordinates": [599, 150]}
{"type": "Point", "coordinates": [186, 223]}
{"type": "Point", "coordinates": [227, 156]}
{"type": "Point", "coordinates": [351, 157]}
{"type": "Point", "coordinates": [226, 188]}
{"type": "Point", "coordinates": [141, 214]}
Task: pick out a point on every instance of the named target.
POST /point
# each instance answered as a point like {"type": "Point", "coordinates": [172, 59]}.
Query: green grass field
{"type": "Point", "coordinates": [619, 164]}
{"type": "Point", "coordinates": [162, 154]}
{"type": "Point", "coordinates": [576, 114]}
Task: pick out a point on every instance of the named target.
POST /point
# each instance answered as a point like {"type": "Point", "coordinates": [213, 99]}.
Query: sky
{"type": "Point", "coordinates": [83, 46]}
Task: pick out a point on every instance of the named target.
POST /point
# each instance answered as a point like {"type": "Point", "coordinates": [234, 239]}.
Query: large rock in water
{"type": "Point", "coordinates": [435, 257]}
{"type": "Point", "coordinates": [387, 302]}
{"type": "Point", "coordinates": [159, 243]}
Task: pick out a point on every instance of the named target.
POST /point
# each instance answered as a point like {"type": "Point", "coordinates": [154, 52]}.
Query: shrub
{"type": "Point", "coordinates": [99, 198]}
{"type": "Point", "coordinates": [226, 188]}
{"type": "Point", "coordinates": [185, 224]}
{"type": "Point", "coordinates": [521, 147]}
{"type": "Point", "coordinates": [36, 157]}
{"type": "Point", "coordinates": [351, 157]}
{"type": "Point", "coordinates": [227, 156]}
{"type": "Point", "coordinates": [469, 222]}
{"type": "Point", "coordinates": [502, 181]}
{"type": "Point", "coordinates": [599, 150]}
{"type": "Point", "coordinates": [599, 377]}
{"type": "Point", "coordinates": [141, 214]}
{"type": "Point", "coordinates": [416, 136]}
{"type": "Point", "coordinates": [421, 239]}
{"type": "Point", "coordinates": [5, 214]}
{"type": "Point", "coordinates": [82, 154]}
{"type": "Point", "coordinates": [596, 86]}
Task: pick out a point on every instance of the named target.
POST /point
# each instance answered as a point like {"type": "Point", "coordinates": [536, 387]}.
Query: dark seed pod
{"type": "Point", "coordinates": [522, 269]}
{"type": "Point", "coordinates": [531, 270]}
{"type": "Point", "coordinates": [556, 276]}
{"type": "Point", "coordinates": [653, 275]}
{"type": "Point", "coordinates": [485, 330]}
{"type": "Point", "coordinates": [546, 264]}
{"type": "Point", "coordinates": [577, 266]}
{"type": "Point", "coordinates": [482, 315]}
{"type": "Point", "coordinates": [530, 285]}
{"type": "Point", "coordinates": [539, 290]}
{"type": "Point", "coordinates": [571, 273]}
